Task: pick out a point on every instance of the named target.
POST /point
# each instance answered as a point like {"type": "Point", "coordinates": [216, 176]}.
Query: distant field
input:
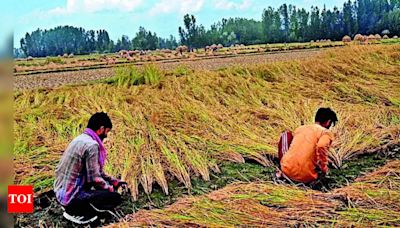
{"type": "Point", "coordinates": [57, 64]}
{"type": "Point", "coordinates": [56, 79]}
{"type": "Point", "coordinates": [95, 61]}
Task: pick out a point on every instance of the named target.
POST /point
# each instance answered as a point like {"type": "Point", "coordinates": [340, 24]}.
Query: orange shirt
{"type": "Point", "coordinates": [308, 150]}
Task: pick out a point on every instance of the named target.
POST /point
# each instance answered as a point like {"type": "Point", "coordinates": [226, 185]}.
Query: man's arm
{"type": "Point", "coordinates": [322, 152]}
{"type": "Point", "coordinates": [112, 180]}
{"type": "Point", "coordinates": [94, 175]}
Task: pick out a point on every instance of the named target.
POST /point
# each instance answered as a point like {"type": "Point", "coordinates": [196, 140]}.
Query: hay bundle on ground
{"type": "Point", "coordinates": [133, 53]}
{"type": "Point", "coordinates": [374, 200]}
{"type": "Point", "coordinates": [30, 58]}
{"type": "Point", "coordinates": [256, 204]}
{"type": "Point", "coordinates": [378, 37]}
{"type": "Point", "coordinates": [123, 53]}
{"type": "Point", "coordinates": [181, 49]}
{"type": "Point", "coordinates": [395, 37]}
{"type": "Point", "coordinates": [371, 37]}
{"type": "Point", "coordinates": [385, 37]}
{"type": "Point", "coordinates": [359, 38]}
{"type": "Point", "coordinates": [379, 189]}
{"type": "Point", "coordinates": [167, 51]}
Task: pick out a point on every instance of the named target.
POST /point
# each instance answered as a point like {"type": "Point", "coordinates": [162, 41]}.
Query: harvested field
{"type": "Point", "coordinates": [51, 80]}
{"type": "Point", "coordinates": [181, 127]}
{"type": "Point", "coordinates": [373, 200]}
{"type": "Point", "coordinates": [48, 212]}
{"type": "Point", "coordinates": [58, 64]}
{"type": "Point", "coordinates": [178, 130]}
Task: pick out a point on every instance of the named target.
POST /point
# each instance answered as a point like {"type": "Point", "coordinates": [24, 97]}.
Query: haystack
{"type": "Point", "coordinates": [360, 38]}
{"type": "Point", "coordinates": [371, 37]}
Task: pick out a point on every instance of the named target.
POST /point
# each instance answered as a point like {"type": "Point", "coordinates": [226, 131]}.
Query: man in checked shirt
{"type": "Point", "coordinates": [81, 186]}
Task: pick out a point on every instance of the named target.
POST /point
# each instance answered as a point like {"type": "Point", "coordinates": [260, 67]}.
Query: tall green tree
{"type": "Point", "coordinates": [286, 22]}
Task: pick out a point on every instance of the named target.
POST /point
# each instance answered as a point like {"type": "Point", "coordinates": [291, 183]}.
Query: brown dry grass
{"type": "Point", "coordinates": [184, 126]}
{"type": "Point", "coordinates": [371, 201]}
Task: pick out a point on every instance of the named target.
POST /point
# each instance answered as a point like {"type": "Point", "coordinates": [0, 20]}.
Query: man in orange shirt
{"type": "Point", "coordinates": [308, 151]}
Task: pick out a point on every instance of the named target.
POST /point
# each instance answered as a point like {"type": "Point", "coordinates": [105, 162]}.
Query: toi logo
{"type": "Point", "coordinates": [20, 199]}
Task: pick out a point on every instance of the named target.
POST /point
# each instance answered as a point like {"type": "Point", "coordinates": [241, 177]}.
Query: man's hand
{"type": "Point", "coordinates": [320, 172]}
{"type": "Point", "coordinates": [119, 184]}
{"type": "Point", "coordinates": [122, 184]}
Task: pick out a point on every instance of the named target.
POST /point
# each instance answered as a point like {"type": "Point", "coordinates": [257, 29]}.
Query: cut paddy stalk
{"type": "Point", "coordinates": [239, 112]}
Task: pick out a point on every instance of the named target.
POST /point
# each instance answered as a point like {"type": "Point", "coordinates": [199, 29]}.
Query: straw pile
{"type": "Point", "coordinates": [373, 200]}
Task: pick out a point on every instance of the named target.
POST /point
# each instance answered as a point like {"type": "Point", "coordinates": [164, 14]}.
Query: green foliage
{"type": "Point", "coordinates": [130, 76]}
{"type": "Point", "coordinates": [57, 60]}
{"type": "Point", "coordinates": [182, 70]}
{"type": "Point", "coordinates": [145, 40]}
{"type": "Point", "coordinates": [152, 75]}
{"type": "Point", "coordinates": [57, 41]}
{"type": "Point", "coordinates": [126, 76]}
{"type": "Point", "coordinates": [287, 23]}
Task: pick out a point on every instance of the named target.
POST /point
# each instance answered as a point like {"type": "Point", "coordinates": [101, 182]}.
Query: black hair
{"type": "Point", "coordinates": [325, 114]}
{"type": "Point", "coordinates": [99, 119]}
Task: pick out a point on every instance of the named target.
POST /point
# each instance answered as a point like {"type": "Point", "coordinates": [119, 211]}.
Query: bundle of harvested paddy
{"type": "Point", "coordinates": [373, 200]}
{"type": "Point", "coordinates": [345, 39]}
{"type": "Point", "coordinates": [378, 37]}
{"type": "Point", "coordinates": [360, 38]}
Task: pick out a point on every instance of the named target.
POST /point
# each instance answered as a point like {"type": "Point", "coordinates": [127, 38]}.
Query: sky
{"type": "Point", "coordinates": [123, 17]}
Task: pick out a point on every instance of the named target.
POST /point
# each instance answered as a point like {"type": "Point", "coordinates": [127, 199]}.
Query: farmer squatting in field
{"type": "Point", "coordinates": [304, 155]}
{"type": "Point", "coordinates": [84, 190]}
{"type": "Point", "coordinates": [81, 186]}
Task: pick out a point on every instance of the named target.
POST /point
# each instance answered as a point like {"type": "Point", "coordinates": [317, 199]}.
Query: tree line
{"type": "Point", "coordinates": [67, 39]}
{"type": "Point", "coordinates": [286, 23]}
{"type": "Point", "coordinates": [289, 23]}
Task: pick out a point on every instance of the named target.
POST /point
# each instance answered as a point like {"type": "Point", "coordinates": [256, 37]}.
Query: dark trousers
{"type": "Point", "coordinates": [101, 199]}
